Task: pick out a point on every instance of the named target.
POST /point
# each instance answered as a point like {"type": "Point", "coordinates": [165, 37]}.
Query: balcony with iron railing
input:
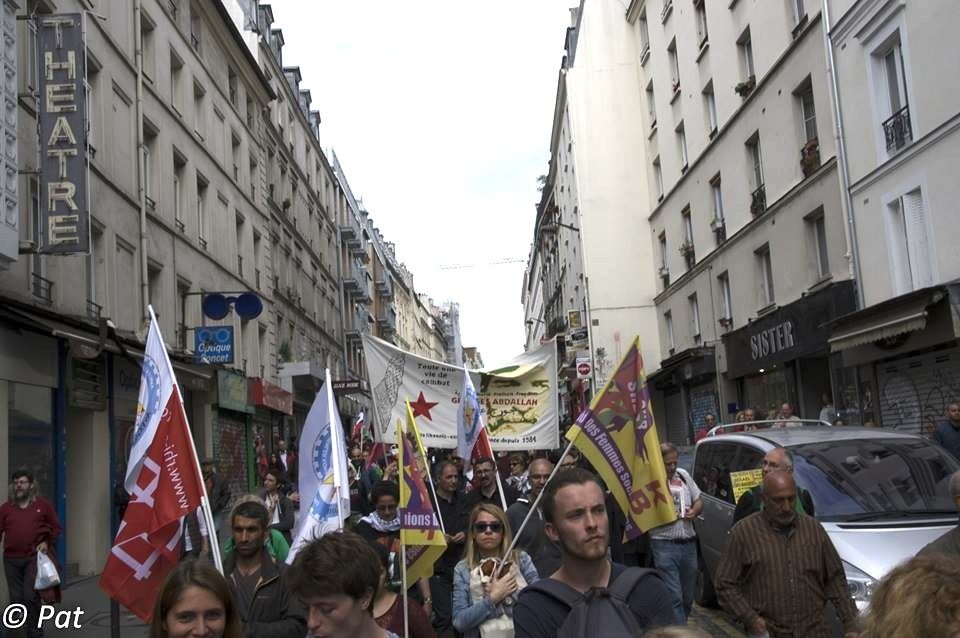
{"type": "Point", "coordinates": [387, 321]}
{"type": "Point", "coordinates": [897, 130]}
{"type": "Point", "coordinates": [385, 287]}
{"type": "Point", "coordinates": [359, 325]}
{"type": "Point", "coordinates": [354, 279]}
{"type": "Point", "coordinates": [94, 310]}
{"type": "Point", "coordinates": [41, 287]}
{"type": "Point", "coordinates": [350, 231]}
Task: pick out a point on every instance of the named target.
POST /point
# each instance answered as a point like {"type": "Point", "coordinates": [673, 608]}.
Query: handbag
{"type": "Point", "coordinates": [47, 575]}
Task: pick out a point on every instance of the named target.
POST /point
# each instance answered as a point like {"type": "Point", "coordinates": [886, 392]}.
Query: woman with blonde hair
{"type": "Point", "coordinates": [918, 599]}
{"type": "Point", "coordinates": [195, 600]}
{"type": "Point", "coordinates": [485, 582]}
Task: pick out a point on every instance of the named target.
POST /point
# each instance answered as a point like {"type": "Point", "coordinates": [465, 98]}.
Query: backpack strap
{"type": "Point", "coordinates": [623, 586]}
{"type": "Point", "coordinates": [557, 590]}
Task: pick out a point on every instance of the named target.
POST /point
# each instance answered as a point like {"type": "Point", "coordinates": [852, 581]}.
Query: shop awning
{"type": "Point", "coordinates": [908, 317]}
{"type": "Point", "coordinates": [86, 342]}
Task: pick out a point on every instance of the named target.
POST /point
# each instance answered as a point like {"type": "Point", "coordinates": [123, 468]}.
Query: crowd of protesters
{"type": "Point", "coordinates": [570, 545]}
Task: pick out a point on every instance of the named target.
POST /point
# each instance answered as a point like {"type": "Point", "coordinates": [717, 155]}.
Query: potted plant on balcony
{"type": "Point", "coordinates": [686, 248]}
{"type": "Point", "coordinates": [717, 223]}
{"type": "Point", "coordinates": [758, 202]}
{"type": "Point", "coordinates": [746, 87]}
{"type": "Point", "coordinates": [725, 322]}
{"type": "Point", "coordinates": [675, 85]}
{"type": "Point", "coordinates": [283, 351]}
{"type": "Point", "coordinates": [810, 157]}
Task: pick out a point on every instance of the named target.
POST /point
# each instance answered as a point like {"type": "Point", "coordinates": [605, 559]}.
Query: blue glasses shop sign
{"type": "Point", "coordinates": [213, 344]}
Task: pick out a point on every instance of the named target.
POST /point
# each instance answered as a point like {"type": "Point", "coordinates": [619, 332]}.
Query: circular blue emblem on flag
{"type": "Point", "coordinates": [150, 381]}
{"type": "Point", "coordinates": [322, 460]}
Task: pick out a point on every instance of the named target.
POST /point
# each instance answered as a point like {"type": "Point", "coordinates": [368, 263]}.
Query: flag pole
{"type": "Point", "coordinates": [536, 501]}
{"type": "Point", "coordinates": [403, 579]}
{"type": "Point", "coordinates": [204, 498]}
{"type": "Point", "coordinates": [435, 500]}
{"type": "Point", "coordinates": [503, 497]}
{"type": "Point", "coordinates": [338, 480]}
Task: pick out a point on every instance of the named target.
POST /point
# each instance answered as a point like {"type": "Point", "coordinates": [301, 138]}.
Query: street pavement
{"type": "Point", "coordinates": [715, 622]}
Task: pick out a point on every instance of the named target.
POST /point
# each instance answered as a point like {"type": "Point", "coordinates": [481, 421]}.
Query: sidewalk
{"type": "Point", "coordinates": [86, 594]}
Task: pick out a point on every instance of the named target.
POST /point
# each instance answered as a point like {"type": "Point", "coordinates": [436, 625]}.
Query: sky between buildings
{"type": "Point", "coordinates": [440, 112]}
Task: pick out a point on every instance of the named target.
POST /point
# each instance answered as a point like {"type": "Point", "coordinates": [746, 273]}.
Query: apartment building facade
{"type": "Point", "coordinates": [584, 283]}
{"type": "Point", "coordinates": [745, 206]}
{"type": "Point", "coordinates": [899, 365]}
{"type": "Point", "coordinates": [301, 197]}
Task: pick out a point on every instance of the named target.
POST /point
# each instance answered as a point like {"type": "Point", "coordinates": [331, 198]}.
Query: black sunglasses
{"type": "Point", "coordinates": [479, 528]}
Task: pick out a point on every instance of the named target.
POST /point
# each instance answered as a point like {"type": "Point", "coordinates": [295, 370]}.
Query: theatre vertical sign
{"type": "Point", "coordinates": [62, 121]}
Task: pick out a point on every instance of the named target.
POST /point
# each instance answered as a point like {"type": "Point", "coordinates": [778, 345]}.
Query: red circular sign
{"type": "Point", "coordinates": [583, 369]}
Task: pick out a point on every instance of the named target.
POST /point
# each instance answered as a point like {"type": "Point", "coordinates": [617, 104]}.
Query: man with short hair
{"type": "Point", "coordinates": [947, 433]}
{"type": "Point", "coordinates": [779, 459]}
{"type": "Point", "coordinates": [787, 419]}
{"type": "Point", "coordinates": [217, 491]}
{"type": "Point", "coordinates": [258, 581]}
{"type": "Point", "coordinates": [949, 543]}
{"type": "Point", "coordinates": [575, 517]}
{"type": "Point", "coordinates": [674, 545]}
{"type": "Point", "coordinates": [780, 569]}
{"type": "Point", "coordinates": [451, 512]}
{"type": "Point", "coordinates": [336, 578]}
{"type": "Point", "coordinates": [487, 490]}
{"type": "Point", "coordinates": [28, 524]}
{"type": "Point", "coordinates": [288, 458]}
{"type": "Point", "coordinates": [708, 424]}
{"type": "Point", "coordinates": [532, 539]}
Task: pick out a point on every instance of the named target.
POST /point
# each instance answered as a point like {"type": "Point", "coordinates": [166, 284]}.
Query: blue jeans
{"type": "Point", "coordinates": [677, 563]}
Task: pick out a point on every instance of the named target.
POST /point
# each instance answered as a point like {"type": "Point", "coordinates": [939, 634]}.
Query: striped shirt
{"type": "Point", "coordinates": [786, 578]}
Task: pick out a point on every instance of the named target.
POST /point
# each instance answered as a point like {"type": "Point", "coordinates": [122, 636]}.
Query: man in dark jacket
{"type": "Point", "coordinates": [258, 582]}
{"type": "Point", "coordinates": [776, 460]}
{"type": "Point", "coordinates": [487, 490]}
{"type": "Point", "coordinates": [217, 491]}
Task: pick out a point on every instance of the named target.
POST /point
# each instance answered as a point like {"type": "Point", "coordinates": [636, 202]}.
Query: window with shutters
{"type": "Point", "coordinates": [909, 243]}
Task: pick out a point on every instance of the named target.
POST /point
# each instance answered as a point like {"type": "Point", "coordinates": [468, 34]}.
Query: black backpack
{"type": "Point", "coordinates": [602, 611]}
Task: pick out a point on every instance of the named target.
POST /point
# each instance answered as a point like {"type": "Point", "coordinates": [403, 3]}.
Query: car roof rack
{"type": "Point", "coordinates": [767, 424]}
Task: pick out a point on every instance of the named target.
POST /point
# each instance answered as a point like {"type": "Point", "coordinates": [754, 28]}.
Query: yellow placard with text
{"type": "Point", "coordinates": [744, 481]}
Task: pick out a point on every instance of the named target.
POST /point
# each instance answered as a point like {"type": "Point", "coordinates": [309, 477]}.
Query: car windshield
{"type": "Point", "coordinates": [874, 479]}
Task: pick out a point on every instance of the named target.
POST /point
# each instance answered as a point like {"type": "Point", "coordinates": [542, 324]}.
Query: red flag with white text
{"type": "Point", "coordinates": [164, 484]}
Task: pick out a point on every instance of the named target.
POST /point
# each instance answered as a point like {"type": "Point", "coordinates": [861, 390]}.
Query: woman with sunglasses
{"type": "Point", "coordinates": [484, 587]}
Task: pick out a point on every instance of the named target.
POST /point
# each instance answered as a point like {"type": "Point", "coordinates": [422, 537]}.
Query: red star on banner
{"type": "Point", "coordinates": [422, 407]}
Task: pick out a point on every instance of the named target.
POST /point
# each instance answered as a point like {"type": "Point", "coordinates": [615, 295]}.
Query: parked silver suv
{"type": "Point", "coordinates": [880, 494]}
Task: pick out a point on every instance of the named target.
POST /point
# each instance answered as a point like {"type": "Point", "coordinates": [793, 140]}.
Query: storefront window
{"type": "Point", "coordinates": [769, 390]}
{"type": "Point", "coordinates": [31, 434]}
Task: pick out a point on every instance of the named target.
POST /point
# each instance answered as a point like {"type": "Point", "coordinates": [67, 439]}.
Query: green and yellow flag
{"type": "Point", "coordinates": [617, 434]}
{"type": "Point", "coordinates": [420, 529]}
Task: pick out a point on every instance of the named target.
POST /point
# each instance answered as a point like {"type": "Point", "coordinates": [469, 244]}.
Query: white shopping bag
{"type": "Point", "coordinates": [47, 575]}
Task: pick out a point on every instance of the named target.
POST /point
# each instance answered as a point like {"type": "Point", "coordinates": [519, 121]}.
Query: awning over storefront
{"type": "Point", "coordinates": [265, 394]}
{"type": "Point", "coordinates": [871, 324]}
{"type": "Point", "coordinates": [686, 366]}
{"type": "Point", "coordinates": [86, 341]}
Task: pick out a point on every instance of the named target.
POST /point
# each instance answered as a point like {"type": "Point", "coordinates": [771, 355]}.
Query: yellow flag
{"type": "Point", "coordinates": [420, 529]}
{"type": "Point", "coordinates": [617, 434]}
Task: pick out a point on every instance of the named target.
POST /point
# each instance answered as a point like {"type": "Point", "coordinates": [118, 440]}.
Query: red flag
{"type": "Point", "coordinates": [167, 487]}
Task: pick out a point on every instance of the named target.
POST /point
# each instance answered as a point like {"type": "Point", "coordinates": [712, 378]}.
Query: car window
{"type": "Point", "coordinates": [748, 458]}
{"type": "Point", "coordinates": [712, 469]}
{"type": "Point", "coordinates": [876, 479]}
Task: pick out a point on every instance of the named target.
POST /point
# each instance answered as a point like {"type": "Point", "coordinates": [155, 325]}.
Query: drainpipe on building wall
{"type": "Point", "coordinates": [846, 199]}
{"type": "Point", "coordinates": [141, 177]}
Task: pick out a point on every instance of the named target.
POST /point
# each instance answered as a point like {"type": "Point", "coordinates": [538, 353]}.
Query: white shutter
{"type": "Point", "coordinates": [915, 392]}
{"type": "Point", "coordinates": [918, 243]}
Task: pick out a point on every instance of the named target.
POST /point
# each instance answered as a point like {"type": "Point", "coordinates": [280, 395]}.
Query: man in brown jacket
{"type": "Point", "coordinates": [780, 569]}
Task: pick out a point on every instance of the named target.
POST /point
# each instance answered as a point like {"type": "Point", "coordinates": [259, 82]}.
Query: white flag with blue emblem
{"type": "Point", "coordinates": [323, 481]}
